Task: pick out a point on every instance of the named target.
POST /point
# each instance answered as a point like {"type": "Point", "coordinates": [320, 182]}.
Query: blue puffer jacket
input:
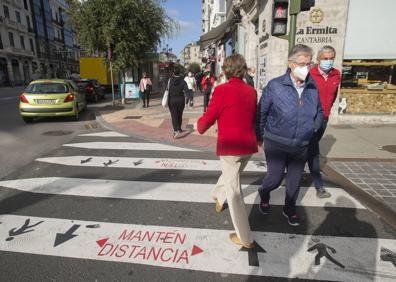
{"type": "Point", "coordinates": [283, 117]}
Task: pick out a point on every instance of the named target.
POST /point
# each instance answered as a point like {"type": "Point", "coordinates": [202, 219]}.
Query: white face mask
{"type": "Point", "coordinates": [301, 72]}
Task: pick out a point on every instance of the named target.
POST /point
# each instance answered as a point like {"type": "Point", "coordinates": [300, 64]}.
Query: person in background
{"type": "Point", "coordinates": [192, 85]}
{"type": "Point", "coordinates": [288, 114]}
{"type": "Point", "coordinates": [249, 76]}
{"type": "Point", "coordinates": [177, 90]}
{"type": "Point", "coordinates": [233, 106]}
{"type": "Point", "coordinates": [327, 80]}
{"type": "Point", "coordinates": [145, 87]}
{"type": "Point", "coordinates": [198, 79]}
{"type": "Point", "coordinates": [207, 86]}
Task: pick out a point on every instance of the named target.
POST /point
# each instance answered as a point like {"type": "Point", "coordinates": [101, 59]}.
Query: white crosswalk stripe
{"type": "Point", "coordinates": [147, 163]}
{"type": "Point", "coordinates": [104, 134]}
{"type": "Point", "coordinates": [127, 146]}
{"type": "Point", "coordinates": [167, 191]}
{"type": "Point", "coordinates": [345, 257]}
{"type": "Point", "coordinates": [205, 249]}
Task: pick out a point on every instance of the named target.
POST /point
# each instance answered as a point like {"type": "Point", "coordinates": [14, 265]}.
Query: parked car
{"type": "Point", "coordinates": [50, 98]}
{"type": "Point", "coordinates": [92, 89]}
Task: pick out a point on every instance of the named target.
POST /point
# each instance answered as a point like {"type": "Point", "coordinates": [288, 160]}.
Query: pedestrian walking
{"type": "Point", "coordinates": [288, 114]}
{"type": "Point", "coordinates": [192, 85]}
{"type": "Point", "coordinates": [327, 79]}
{"type": "Point", "coordinates": [177, 90]}
{"type": "Point", "coordinates": [207, 86]}
{"type": "Point", "coordinates": [145, 87]}
{"type": "Point", "coordinates": [233, 106]}
{"type": "Point", "coordinates": [249, 77]}
{"type": "Point", "coordinates": [198, 79]}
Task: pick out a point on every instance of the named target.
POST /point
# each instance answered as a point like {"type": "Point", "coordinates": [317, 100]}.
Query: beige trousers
{"type": "Point", "coordinates": [228, 188]}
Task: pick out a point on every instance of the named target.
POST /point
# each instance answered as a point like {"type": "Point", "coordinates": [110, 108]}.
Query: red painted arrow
{"type": "Point", "coordinates": [196, 250]}
{"type": "Point", "coordinates": [102, 242]}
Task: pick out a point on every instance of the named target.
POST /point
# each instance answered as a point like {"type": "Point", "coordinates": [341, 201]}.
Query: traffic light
{"type": "Point", "coordinates": [279, 17]}
{"type": "Point", "coordinates": [306, 5]}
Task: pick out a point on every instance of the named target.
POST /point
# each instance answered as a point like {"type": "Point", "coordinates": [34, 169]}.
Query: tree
{"type": "Point", "coordinates": [194, 68]}
{"type": "Point", "coordinates": [130, 28]}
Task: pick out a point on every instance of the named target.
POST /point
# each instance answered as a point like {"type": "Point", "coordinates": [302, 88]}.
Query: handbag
{"type": "Point", "coordinates": [165, 98]}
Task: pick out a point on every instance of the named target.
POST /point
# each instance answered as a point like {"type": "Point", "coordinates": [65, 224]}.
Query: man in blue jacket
{"type": "Point", "coordinates": [288, 115]}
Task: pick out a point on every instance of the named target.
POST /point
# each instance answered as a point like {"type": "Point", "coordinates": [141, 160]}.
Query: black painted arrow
{"type": "Point", "coordinates": [63, 237]}
{"type": "Point", "coordinates": [253, 254]}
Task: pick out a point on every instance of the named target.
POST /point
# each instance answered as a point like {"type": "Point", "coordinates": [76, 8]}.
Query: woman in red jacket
{"type": "Point", "coordinates": [207, 86]}
{"type": "Point", "coordinates": [233, 106]}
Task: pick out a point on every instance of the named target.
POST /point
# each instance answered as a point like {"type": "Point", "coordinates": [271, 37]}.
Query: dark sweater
{"type": "Point", "coordinates": [177, 86]}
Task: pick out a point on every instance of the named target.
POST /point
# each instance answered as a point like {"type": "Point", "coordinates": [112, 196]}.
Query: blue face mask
{"type": "Point", "coordinates": [326, 65]}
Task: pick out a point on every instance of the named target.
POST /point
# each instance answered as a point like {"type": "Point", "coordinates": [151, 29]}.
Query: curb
{"type": "Point", "coordinates": [377, 206]}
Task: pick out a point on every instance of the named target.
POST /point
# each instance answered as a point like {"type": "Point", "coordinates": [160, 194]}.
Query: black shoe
{"type": "Point", "coordinates": [264, 207]}
{"type": "Point", "coordinates": [292, 220]}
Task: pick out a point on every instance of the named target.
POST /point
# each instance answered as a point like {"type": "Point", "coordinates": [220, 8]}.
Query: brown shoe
{"type": "Point", "coordinates": [234, 238]}
{"type": "Point", "coordinates": [220, 207]}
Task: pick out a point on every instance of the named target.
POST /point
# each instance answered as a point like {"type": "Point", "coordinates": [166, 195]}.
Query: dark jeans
{"type": "Point", "coordinates": [176, 107]}
{"type": "Point", "coordinates": [206, 100]}
{"type": "Point", "coordinates": [146, 98]}
{"type": "Point", "coordinates": [278, 158]}
{"type": "Point", "coordinates": [314, 156]}
{"type": "Point", "coordinates": [190, 97]}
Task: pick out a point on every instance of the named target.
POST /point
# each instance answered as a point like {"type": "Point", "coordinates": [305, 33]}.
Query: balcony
{"type": "Point", "coordinates": [22, 28]}
{"type": "Point", "coordinates": [10, 23]}
{"type": "Point", "coordinates": [19, 52]}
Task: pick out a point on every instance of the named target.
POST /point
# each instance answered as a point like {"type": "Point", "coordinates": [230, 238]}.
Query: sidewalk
{"type": "Point", "coordinates": [357, 156]}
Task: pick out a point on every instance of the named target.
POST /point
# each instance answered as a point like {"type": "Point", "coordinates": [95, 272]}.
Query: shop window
{"type": "Point", "coordinates": [6, 12]}
{"type": "Point", "coordinates": [11, 38]}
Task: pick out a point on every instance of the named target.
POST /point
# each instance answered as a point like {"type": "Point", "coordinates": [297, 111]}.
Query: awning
{"type": "Point", "coordinates": [215, 34]}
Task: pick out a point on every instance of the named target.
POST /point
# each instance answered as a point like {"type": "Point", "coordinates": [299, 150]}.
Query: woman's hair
{"type": "Point", "coordinates": [234, 66]}
{"type": "Point", "coordinates": [176, 70]}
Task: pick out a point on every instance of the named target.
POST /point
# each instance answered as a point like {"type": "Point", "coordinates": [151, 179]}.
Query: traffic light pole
{"type": "Point", "coordinates": [294, 9]}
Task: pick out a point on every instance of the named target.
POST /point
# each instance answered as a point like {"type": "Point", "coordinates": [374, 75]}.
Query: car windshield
{"type": "Point", "coordinates": [83, 83]}
{"type": "Point", "coordinates": [47, 88]}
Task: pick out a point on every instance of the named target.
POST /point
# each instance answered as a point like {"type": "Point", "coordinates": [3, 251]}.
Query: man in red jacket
{"type": "Point", "coordinates": [327, 80]}
{"type": "Point", "coordinates": [233, 106]}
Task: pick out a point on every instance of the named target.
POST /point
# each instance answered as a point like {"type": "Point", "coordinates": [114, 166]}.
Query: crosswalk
{"type": "Point", "coordinates": [107, 197]}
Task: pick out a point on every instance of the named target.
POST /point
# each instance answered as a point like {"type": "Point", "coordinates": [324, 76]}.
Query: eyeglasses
{"type": "Point", "coordinates": [309, 65]}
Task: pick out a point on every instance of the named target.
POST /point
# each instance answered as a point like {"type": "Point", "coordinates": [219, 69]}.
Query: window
{"type": "Point", "coordinates": [22, 42]}
{"type": "Point", "coordinates": [222, 5]}
{"type": "Point", "coordinates": [1, 42]}
{"type": "Point", "coordinates": [18, 16]}
{"type": "Point", "coordinates": [6, 12]}
{"type": "Point", "coordinates": [28, 22]}
{"type": "Point", "coordinates": [31, 45]}
{"type": "Point", "coordinates": [11, 38]}
{"type": "Point", "coordinates": [25, 4]}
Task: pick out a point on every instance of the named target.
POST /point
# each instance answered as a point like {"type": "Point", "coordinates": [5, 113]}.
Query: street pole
{"type": "Point", "coordinates": [112, 82]}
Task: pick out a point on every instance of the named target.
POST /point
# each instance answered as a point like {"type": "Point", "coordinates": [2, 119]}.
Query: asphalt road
{"type": "Point", "coordinates": [21, 143]}
{"type": "Point", "coordinates": [67, 215]}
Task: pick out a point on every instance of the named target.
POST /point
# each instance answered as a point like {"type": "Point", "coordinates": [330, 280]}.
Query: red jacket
{"type": "Point", "coordinates": [204, 82]}
{"type": "Point", "coordinates": [327, 88]}
{"type": "Point", "coordinates": [233, 105]}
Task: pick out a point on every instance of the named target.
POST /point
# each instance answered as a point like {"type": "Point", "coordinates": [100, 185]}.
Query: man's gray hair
{"type": "Point", "coordinates": [298, 50]}
{"type": "Point", "coordinates": [325, 49]}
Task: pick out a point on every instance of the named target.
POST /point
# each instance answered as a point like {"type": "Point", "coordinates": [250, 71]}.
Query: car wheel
{"type": "Point", "coordinates": [27, 119]}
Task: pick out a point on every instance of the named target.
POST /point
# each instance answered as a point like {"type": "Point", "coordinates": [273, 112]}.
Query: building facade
{"type": "Point", "coordinates": [35, 41]}
{"type": "Point", "coordinates": [190, 54]}
{"type": "Point", "coordinates": [213, 14]}
{"type": "Point", "coordinates": [359, 31]}
{"type": "Point", "coordinates": [17, 47]}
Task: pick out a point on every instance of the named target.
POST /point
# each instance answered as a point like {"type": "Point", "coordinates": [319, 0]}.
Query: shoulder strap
{"type": "Point", "coordinates": [167, 88]}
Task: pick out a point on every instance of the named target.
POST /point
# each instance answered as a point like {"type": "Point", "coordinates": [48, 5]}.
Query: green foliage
{"type": "Point", "coordinates": [131, 27]}
{"type": "Point", "coordinates": [194, 68]}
